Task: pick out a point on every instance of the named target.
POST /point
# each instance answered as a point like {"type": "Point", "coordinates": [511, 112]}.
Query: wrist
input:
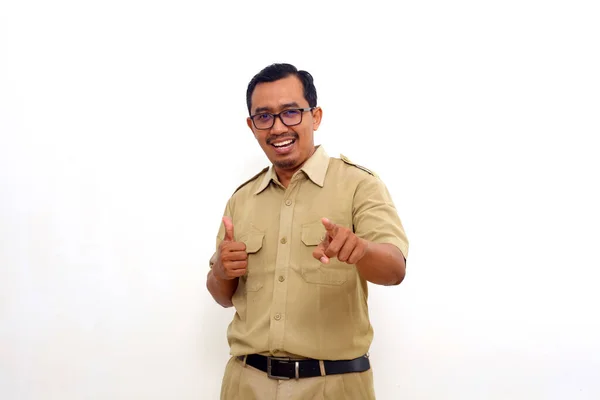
{"type": "Point", "coordinates": [220, 277]}
{"type": "Point", "coordinates": [366, 249]}
{"type": "Point", "coordinates": [217, 271]}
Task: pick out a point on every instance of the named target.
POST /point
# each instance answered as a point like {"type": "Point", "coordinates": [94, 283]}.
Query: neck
{"type": "Point", "coordinates": [285, 174]}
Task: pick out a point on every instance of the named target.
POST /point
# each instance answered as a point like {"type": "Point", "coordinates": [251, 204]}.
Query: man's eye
{"type": "Point", "coordinates": [263, 117]}
{"type": "Point", "coordinates": [291, 113]}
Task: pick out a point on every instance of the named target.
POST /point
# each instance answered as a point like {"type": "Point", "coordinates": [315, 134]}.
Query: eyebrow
{"type": "Point", "coordinates": [283, 106]}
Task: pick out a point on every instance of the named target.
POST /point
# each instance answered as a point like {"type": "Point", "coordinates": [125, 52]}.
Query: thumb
{"type": "Point", "coordinates": [228, 228]}
{"type": "Point", "coordinates": [319, 252]}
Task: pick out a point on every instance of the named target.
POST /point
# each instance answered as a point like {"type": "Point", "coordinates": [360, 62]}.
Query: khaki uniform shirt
{"type": "Point", "coordinates": [289, 304]}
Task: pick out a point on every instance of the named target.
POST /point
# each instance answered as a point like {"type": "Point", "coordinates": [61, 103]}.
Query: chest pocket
{"type": "Point", "coordinates": [313, 271]}
{"type": "Point", "coordinates": [254, 275]}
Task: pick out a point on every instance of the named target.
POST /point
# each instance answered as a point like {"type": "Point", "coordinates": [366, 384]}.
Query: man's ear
{"type": "Point", "coordinates": [251, 126]}
{"type": "Point", "coordinates": [317, 115]}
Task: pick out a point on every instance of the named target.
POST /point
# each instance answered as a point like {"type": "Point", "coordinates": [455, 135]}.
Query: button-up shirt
{"type": "Point", "coordinates": [289, 304]}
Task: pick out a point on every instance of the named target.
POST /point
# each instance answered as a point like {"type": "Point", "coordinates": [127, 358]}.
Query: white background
{"type": "Point", "coordinates": [123, 133]}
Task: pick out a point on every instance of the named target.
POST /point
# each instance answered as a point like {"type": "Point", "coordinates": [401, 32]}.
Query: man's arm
{"type": "Point", "coordinates": [376, 244]}
{"type": "Point", "coordinates": [222, 290]}
{"type": "Point", "coordinates": [382, 264]}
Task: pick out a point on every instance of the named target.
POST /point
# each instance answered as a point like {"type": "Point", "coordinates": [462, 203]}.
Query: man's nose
{"type": "Point", "coordinates": [278, 126]}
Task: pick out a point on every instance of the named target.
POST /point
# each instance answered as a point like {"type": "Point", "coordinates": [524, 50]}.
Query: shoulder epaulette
{"type": "Point", "coordinates": [347, 161]}
{"type": "Point", "coordinates": [251, 179]}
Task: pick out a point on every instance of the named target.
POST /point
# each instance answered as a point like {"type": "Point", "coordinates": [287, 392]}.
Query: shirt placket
{"type": "Point", "coordinates": [280, 285]}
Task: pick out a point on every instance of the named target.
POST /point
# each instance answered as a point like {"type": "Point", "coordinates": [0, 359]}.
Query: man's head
{"type": "Point", "coordinates": [282, 89]}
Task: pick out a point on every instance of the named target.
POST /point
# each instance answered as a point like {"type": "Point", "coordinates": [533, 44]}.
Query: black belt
{"type": "Point", "coordinates": [287, 368]}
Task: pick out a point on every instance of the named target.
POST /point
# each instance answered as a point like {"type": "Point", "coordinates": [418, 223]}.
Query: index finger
{"type": "Point", "coordinates": [329, 226]}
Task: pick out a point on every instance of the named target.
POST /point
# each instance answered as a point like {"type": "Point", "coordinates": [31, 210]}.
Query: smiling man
{"type": "Point", "coordinates": [297, 246]}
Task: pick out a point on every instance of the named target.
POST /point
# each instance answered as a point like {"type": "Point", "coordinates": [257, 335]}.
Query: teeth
{"type": "Point", "coordinates": [283, 143]}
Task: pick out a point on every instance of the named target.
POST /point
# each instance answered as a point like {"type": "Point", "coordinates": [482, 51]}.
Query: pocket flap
{"type": "Point", "coordinates": [253, 241]}
{"type": "Point", "coordinates": [313, 233]}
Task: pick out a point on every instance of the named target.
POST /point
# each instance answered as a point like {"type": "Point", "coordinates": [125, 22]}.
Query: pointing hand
{"type": "Point", "coordinates": [340, 242]}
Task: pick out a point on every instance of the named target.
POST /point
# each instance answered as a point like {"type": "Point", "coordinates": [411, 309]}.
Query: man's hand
{"type": "Point", "coordinates": [340, 242]}
{"type": "Point", "coordinates": [232, 259]}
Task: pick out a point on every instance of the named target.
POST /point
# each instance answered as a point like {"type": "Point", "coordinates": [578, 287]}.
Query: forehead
{"type": "Point", "coordinates": [273, 95]}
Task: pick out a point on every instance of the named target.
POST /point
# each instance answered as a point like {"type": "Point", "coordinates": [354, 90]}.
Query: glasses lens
{"type": "Point", "coordinates": [291, 117]}
{"type": "Point", "coordinates": [263, 121]}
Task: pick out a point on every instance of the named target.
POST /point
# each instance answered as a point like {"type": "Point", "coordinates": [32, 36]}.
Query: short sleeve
{"type": "Point", "coordinates": [375, 217]}
{"type": "Point", "coordinates": [220, 233]}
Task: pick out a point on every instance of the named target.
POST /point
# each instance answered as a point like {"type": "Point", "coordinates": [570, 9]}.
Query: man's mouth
{"type": "Point", "coordinates": [283, 146]}
{"type": "Point", "coordinates": [284, 143]}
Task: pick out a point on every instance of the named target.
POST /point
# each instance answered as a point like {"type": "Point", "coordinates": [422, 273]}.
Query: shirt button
{"type": "Point", "coordinates": [288, 202]}
{"type": "Point", "coordinates": [277, 317]}
{"type": "Point", "coordinates": [281, 278]}
{"type": "Point", "coordinates": [283, 240]}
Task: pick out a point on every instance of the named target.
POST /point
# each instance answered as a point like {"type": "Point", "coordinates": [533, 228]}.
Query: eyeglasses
{"type": "Point", "coordinates": [289, 117]}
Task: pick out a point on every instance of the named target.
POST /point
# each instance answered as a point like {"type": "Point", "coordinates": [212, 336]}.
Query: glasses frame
{"type": "Point", "coordinates": [278, 115]}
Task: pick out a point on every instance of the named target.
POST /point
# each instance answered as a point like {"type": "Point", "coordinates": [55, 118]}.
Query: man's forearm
{"type": "Point", "coordinates": [222, 290]}
{"type": "Point", "coordinates": [382, 264]}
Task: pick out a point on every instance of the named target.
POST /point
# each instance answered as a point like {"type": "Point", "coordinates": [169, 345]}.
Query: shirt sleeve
{"type": "Point", "coordinates": [375, 217]}
{"type": "Point", "coordinates": [220, 233]}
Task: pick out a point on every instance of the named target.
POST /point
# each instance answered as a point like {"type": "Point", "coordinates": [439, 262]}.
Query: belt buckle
{"type": "Point", "coordinates": [283, 360]}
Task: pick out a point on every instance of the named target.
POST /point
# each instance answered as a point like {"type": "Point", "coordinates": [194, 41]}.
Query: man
{"type": "Point", "coordinates": [297, 245]}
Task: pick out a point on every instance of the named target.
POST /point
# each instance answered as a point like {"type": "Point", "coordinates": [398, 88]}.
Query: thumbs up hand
{"type": "Point", "coordinates": [232, 259]}
{"type": "Point", "coordinates": [340, 242]}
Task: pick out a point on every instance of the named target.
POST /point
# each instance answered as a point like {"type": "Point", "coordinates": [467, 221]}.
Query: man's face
{"type": "Point", "coordinates": [287, 147]}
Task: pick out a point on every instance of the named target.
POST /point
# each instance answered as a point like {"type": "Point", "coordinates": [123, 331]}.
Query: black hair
{"type": "Point", "coordinates": [275, 72]}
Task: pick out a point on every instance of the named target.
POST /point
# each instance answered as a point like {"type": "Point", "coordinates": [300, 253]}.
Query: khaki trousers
{"type": "Point", "coordinates": [243, 382]}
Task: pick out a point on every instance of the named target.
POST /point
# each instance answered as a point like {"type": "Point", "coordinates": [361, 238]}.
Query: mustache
{"type": "Point", "coordinates": [273, 138]}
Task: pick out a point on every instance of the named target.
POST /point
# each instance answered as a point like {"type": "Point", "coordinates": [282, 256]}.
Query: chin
{"type": "Point", "coordinates": [286, 164]}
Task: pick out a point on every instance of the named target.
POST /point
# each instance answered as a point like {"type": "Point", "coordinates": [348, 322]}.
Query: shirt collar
{"type": "Point", "coordinates": [315, 168]}
{"type": "Point", "coordinates": [266, 179]}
